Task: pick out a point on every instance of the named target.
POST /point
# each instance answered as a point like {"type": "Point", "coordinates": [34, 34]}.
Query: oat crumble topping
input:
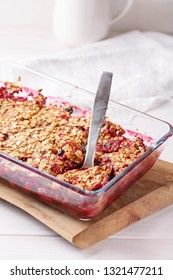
{"type": "Point", "coordinates": [52, 139]}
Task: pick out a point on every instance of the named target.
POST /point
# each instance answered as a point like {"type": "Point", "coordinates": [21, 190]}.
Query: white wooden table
{"type": "Point", "coordinates": [23, 237]}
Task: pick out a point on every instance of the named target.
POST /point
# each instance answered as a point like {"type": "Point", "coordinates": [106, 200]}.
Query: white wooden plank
{"type": "Point", "coordinates": [46, 248]}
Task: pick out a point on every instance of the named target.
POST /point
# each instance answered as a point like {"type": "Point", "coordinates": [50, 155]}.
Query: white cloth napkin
{"type": "Point", "coordinates": [142, 64]}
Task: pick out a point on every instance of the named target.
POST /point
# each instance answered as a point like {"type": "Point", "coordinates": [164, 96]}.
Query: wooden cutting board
{"type": "Point", "coordinates": [152, 193]}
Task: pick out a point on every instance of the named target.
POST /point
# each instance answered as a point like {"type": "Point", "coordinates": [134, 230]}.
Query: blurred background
{"type": "Point", "coordinates": [27, 25]}
{"type": "Point", "coordinates": [154, 15]}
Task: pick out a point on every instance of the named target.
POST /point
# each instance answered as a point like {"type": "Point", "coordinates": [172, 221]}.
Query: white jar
{"type": "Point", "coordinates": [78, 22]}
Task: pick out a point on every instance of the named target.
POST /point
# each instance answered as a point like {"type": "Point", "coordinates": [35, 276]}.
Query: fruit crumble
{"type": "Point", "coordinates": [46, 133]}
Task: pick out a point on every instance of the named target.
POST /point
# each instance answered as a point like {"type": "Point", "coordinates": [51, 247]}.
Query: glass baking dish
{"type": "Point", "coordinates": [79, 203]}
